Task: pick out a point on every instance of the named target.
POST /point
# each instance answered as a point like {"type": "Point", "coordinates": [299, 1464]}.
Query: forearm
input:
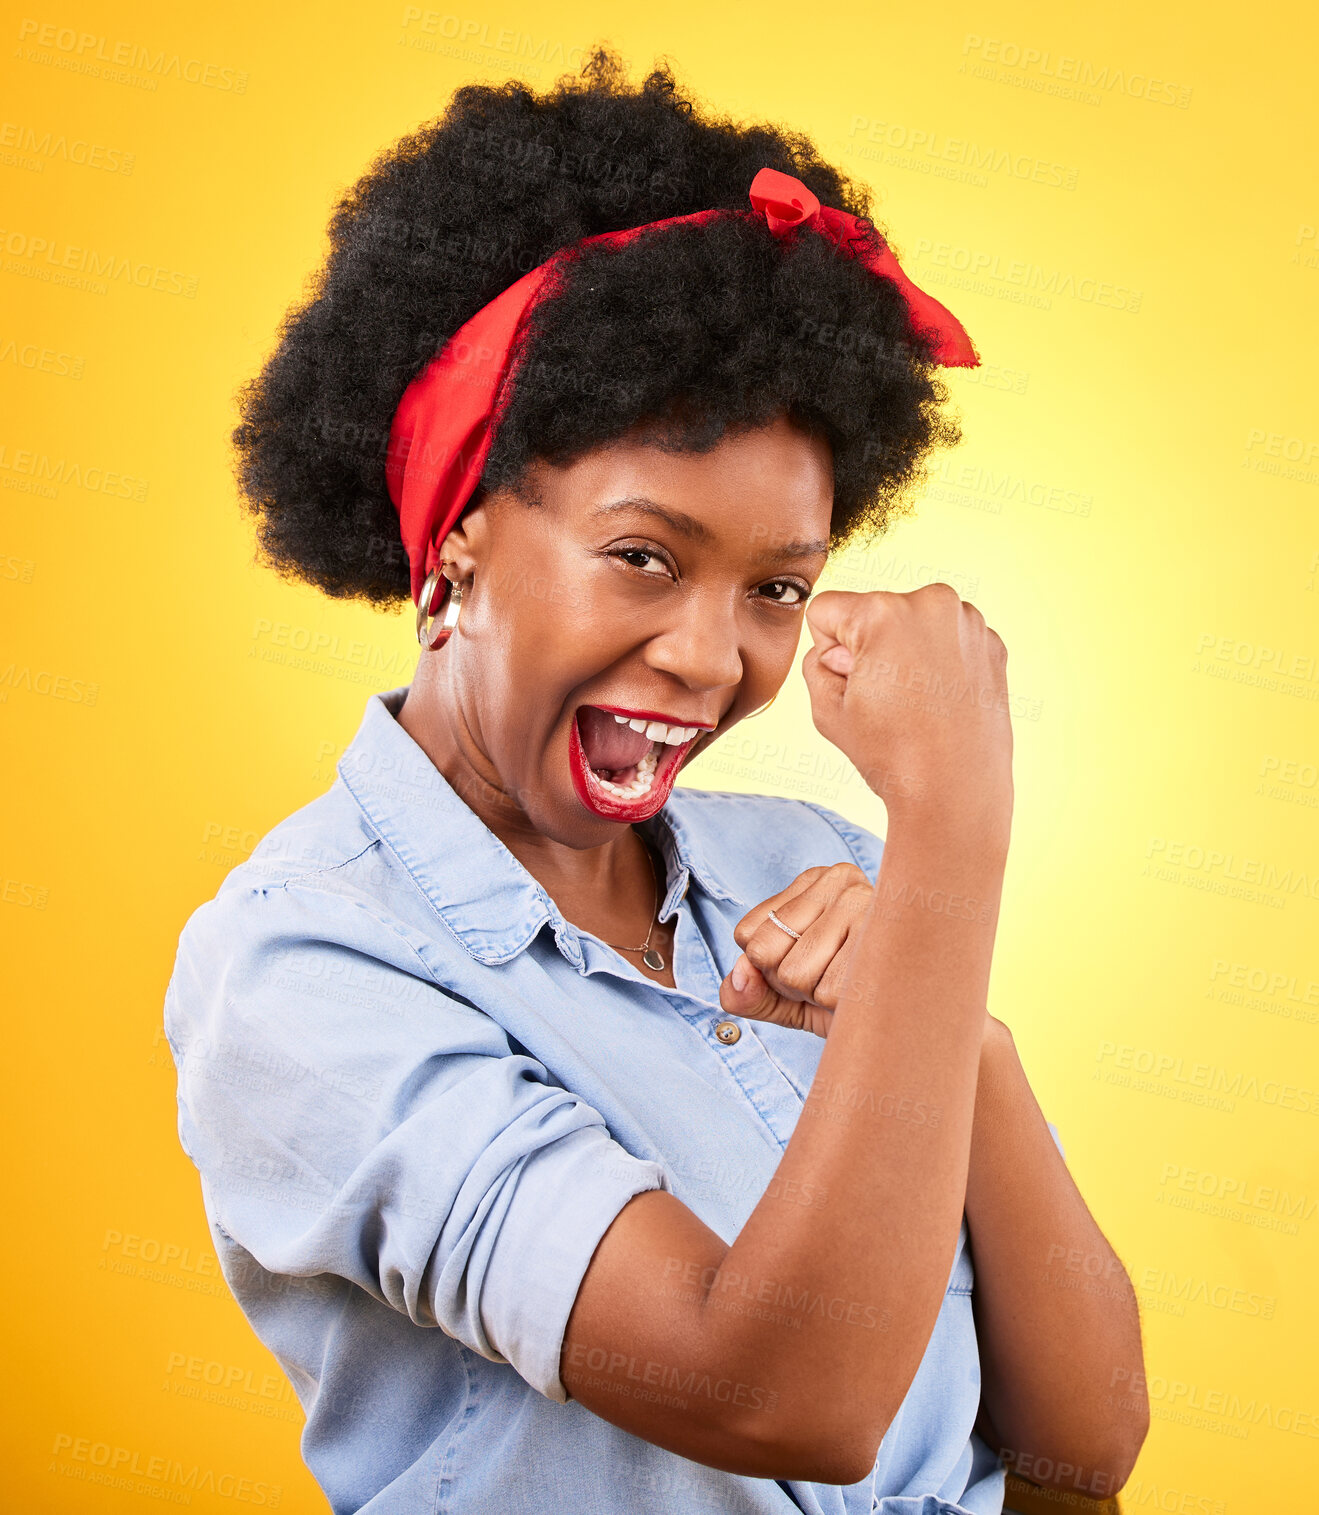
{"type": "Point", "coordinates": [1055, 1312]}
{"type": "Point", "coordinates": [886, 1131]}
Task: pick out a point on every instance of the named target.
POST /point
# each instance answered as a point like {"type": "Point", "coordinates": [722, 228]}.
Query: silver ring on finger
{"type": "Point", "coordinates": [795, 935]}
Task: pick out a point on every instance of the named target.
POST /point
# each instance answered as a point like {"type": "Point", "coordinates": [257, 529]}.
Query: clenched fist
{"type": "Point", "coordinates": [913, 689]}
{"type": "Point", "coordinates": [796, 983]}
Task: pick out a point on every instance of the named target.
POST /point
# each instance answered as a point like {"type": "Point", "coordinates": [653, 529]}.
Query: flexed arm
{"type": "Point", "coordinates": [1063, 1397]}
{"type": "Point", "coordinates": [887, 1125]}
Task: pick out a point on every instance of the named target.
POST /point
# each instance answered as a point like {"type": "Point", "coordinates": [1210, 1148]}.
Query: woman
{"type": "Point", "coordinates": [494, 1058]}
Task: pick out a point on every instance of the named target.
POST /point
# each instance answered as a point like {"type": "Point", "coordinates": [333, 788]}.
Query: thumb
{"type": "Point", "coordinates": [746, 992]}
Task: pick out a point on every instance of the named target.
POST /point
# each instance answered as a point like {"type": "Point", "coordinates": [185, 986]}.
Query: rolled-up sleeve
{"type": "Point", "coordinates": [349, 1117]}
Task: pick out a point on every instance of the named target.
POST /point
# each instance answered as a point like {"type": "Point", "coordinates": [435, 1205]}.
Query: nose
{"type": "Point", "coordinates": [700, 645]}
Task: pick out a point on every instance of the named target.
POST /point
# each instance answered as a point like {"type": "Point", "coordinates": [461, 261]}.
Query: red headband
{"type": "Point", "coordinates": [444, 423]}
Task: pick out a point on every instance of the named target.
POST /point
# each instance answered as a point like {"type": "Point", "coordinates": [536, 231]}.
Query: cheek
{"type": "Point", "coordinates": [546, 650]}
{"type": "Point", "coordinates": [557, 595]}
{"type": "Point", "coordinates": [573, 627]}
{"type": "Point", "coordinates": [769, 654]}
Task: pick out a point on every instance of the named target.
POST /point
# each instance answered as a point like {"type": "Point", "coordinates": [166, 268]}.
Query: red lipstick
{"type": "Point", "coordinates": [611, 807]}
{"type": "Point", "coordinates": [653, 715]}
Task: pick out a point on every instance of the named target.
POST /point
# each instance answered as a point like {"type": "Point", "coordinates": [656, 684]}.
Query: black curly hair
{"type": "Point", "coordinates": [688, 333]}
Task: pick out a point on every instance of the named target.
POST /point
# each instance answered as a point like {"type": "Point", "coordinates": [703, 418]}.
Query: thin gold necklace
{"type": "Point", "coordinates": [651, 956]}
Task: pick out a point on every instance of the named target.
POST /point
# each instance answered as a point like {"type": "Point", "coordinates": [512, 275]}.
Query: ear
{"type": "Point", "coordinates": [463, 551]}
{"type": "Point", "coordinates": [467, 547]}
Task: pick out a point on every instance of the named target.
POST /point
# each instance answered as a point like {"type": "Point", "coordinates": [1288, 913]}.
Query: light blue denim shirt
{"type": "Point", "coordinates": [417, 1097]}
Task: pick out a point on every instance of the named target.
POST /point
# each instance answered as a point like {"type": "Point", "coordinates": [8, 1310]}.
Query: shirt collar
{"type": "Point", "coordinates": [478, 888]}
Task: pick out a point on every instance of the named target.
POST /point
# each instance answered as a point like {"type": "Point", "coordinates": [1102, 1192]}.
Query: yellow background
{"type": "Point", "coordinates": [1163, 641]}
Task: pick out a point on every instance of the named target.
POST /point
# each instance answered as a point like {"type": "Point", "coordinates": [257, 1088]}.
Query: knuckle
{"type": "Point", "coordinates": [795, 977]}
{"type": "Point", "coordinates": [832, 882]}
{"type": "Point", "coordinates": [754, 948]}
{"type": "Point", "coordinates": [849, 871]}
{"type": "Point", "coordinates": [867, 605]}
{"type": "Point", "coordinates": [829, 605]}
{"type": "Point", "coordinates": [825, 597]}
{"type": "Point", "coordinates": [763, 943]}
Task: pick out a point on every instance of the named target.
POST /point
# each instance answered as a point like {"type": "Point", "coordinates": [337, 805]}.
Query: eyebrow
{"type": "Point", "coordinates": [697, 531]}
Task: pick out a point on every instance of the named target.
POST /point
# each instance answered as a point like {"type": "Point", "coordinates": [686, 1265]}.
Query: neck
{"type": "Point", "coordinates": [612, 882]}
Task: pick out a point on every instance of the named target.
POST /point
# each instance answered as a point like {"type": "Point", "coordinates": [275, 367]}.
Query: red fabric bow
{"type": "Point", "coordinates": [786, 202]}
{"type": "Point", "coordinates": [444, 425]}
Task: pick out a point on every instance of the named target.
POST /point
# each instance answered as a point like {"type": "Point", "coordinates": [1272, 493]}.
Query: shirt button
{"type": "Point", "coordinates": [728, 1032]}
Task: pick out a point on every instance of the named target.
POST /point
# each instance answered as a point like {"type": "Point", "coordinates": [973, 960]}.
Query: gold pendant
{"type": "Point", "coordinates": [653, 958]}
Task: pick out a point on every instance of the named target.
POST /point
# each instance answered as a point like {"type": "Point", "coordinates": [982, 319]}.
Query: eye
{"type": "Point", "coordinates": [802, 591]}
{"type": "Point", "coordinates": [789, 592]}
{"type": "Point", "coordinates": [628, 553]}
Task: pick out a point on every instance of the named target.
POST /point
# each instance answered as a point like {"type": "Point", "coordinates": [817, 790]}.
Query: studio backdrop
{"type": "Point", "coordinates": [1122, 207]}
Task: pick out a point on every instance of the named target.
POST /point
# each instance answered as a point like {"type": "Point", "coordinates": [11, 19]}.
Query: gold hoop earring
{"type": "Point", "coordinates": [431, 637]}
{"type": "Point", "coordinates": [765, 706]}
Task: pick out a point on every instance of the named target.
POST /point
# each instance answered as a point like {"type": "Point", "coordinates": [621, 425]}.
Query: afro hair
{"type": "Point", "coordinates": [688, 332]}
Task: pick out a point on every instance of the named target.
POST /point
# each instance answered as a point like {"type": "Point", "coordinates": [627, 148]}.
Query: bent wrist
{"type": "Point", "coordinates": [971, 808]}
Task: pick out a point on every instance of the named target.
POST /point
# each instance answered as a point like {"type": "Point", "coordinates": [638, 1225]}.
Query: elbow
{"type": "Point", "coordinates": [1123, 1461]}
{"type": "Point", "coordinates": [815, 1426]}
{"type": "Point", "coordinates": [848, 1462]}
{"type": "Point", "coordinates": [1098, 1471]}
{"type": "Point", "coordinates": [1106, 1475]}
{"type": "Point", "coordinates": [834, 1452]}
{"type": "Point", "coordinates": [825, 1460]}
{"type": "Point", "coordinates": [1117, 1459]}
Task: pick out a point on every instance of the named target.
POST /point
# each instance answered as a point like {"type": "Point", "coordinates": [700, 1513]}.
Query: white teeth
{"type": "Point", "coordinates": [657, 731]}
{"type": "Point", "coordinates": [637, 786]}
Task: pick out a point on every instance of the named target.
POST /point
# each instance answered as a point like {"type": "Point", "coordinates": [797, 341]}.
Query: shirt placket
{"type": "Point", "coordinates": [696, 998]}
{"type": "Point", "coordinates": [732, 1038]}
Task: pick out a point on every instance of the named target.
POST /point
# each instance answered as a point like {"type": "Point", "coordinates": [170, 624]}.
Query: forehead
{"type": "Point", "coordinates": [774, 478]}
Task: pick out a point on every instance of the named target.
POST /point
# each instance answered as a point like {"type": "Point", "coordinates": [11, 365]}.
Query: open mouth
{"type": "Point", "coordinates": [624, 763]}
